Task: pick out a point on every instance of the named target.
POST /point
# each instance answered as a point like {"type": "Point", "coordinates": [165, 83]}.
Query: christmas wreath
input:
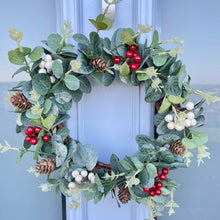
{"type": "Point", "coordinates": [62, 76]}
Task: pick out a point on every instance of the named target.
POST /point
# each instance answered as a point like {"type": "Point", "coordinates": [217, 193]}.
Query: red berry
{"type": "Point", "coordinates": [152, 193]}
{"type": "Point", "coordinates": [133, 47]}
{"type": "Point", "coordinates": [33, 135]}
{"type": "Point", "coordinates": [117, 60]}
{"type": "Point", "coordinates": [33, 141]}
{"type": "Point", "coordinates": [158, 192]}
{"type": "Point", "coordinates": [157, 175]}
{"type": "Point", "coordinates": [27, 138]}
{"type": "Point", "coordinates": [137, 64]}
{"type": "Point", "coordinates": [37, 130]}
{"type": "Point", "coordinates": [162, 176]}
{"type": "Point", "coordinates": [135, 54]}
{"type": "Point", "coordinates": [30, 130]}
{"type": "Point", "coordinates": [45, 138]}
{"type": "Point", "coordinates": [129, 54]}
{"type": "Point", "coordinates": [159, 184]}
{"type": "Point", "coordinates": [133, 67]}
{"type": "Point", "coordinates": [146, 190]}
{"type": "Point", "coordinates": [153, 187]}
{"type": "Point", "coordinates": [137, 59]}
{"type": "Point", "coordinates": [165, 171]}
{"type": "Point", "coordinates": [26, 132]}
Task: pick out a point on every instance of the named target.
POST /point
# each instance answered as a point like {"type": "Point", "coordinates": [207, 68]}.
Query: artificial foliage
{"type": "Point", "coordinates": [60, 73]}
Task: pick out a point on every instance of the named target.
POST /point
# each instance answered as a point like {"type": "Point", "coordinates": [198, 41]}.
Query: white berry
{"type": "Point", "coordinates": [78, 178]}
{"type": "Point", "coordinates": [71, 185]}
{"type": "Point", "coordinates": [179, 127]}
{"type": "Point", "coordinates": [171, 125]}
{"type": "Point", "coordinates": [187, 123]}
{"type": "Point", "coordinates": [190, 115]}
{"type": "Point", "coordinates": [91, 175]}
{"type": "Point", "coordinates": [92, 180]}
{"type": "Point", "coordinates": [48, 65]}
{"type": "Point", "coordinates": [189, 106]}
{"type": "Point", "coordinates": [75, 173]}
{"type": "Point", "coordinates": [169, 118]}
{"type": "Point", "coordinates": [42, 64]}
{"type": "Point", "coordinates": [48, 58]}
{"type": "Point", "coordinates": [193, 122]}
{"type": "Point", "coordinates": [52, 79]}
{"type": "Point", "coordinates": [42, 71]}
{"type": "Point", "coordinates": [84, 173]}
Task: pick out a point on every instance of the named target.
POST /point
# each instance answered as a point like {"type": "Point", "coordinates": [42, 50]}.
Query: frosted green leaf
{"type": "Point", "coordinates": [175, 99]}
{"type": "Point", "coordinates": [36, 54]}
{"type": "Point", "coordinates": [152, 170]}
{"type": "Point", "coordinates": [165, 106]}
{"type": "Point", "coordinates": [57, 69]}
{"type": "Point", "coordinates": [41, 83]}
{"type": "Point", "coordinates": [54, 41]}
{"type": "Point", "coordinates": [124, 69]}
{"type": "Point", "coordinates": [61, 152]}
{"type": "Point", "coordinates": [127, 38]}
{"type": "Point", "coordinates": [72, 82]}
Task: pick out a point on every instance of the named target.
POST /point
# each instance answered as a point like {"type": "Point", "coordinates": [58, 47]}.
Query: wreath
{"type": "Point", "coordinates": [62, 76]}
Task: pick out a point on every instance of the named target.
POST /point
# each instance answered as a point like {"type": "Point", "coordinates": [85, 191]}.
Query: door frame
{"type": "Point", "coordinates": [143, 12]}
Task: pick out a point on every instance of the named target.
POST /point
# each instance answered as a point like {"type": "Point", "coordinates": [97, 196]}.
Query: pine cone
{"type": "Point", "coordinates": [46, 166]}
{"type": "Point", "coordinates": [124, 194]}
{"type": "Point", "coordinates": [177, 148]}
{"type": "Point", "coordinates": [20, 101]}
{"type": "Point", "coordinates": [98, 63]}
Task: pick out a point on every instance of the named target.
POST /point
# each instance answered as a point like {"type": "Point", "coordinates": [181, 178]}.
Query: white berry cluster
{"type": "Point", "coordinates": [78, 176]}
{"type": "Point", "coordinates": [46, 66]}
{"type": "Point", "coordinates": [180, 123]}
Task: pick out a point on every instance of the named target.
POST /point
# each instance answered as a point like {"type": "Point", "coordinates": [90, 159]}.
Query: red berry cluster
{"type": "Point", "coordinates": [131, 54]}
{"type": "Point", "coordinates": [155, 189]}
{"type": "Point", "coordinates": [32, 133]}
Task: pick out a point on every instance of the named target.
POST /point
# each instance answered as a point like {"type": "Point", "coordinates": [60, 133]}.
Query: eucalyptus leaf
{"type": "Point", "coordinates": [20, 70]}
{"type": "Point", "coordinates": [72, 82]}
{"type": "Point", "coordinates": [54, 41]}
{"type": "Point", "coordinates": [57, 69]}
{"type": "Point", "coordinates": [36, 54]}
{"type": "Point", "coordinates": [41, 83]}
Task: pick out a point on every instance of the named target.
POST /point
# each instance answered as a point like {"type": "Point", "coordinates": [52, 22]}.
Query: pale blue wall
{"type": "Point", "coordinates": [21, 199]}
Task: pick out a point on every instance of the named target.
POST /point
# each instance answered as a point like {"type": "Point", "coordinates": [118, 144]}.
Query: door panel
{"type": "Point", "coordinates": [109, 117]}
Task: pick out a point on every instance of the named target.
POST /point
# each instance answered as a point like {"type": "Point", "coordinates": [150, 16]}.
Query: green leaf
{"type": "Point", "coordinates": [77, 95]}
{"type": "Point", "coordinates": [21, 69]}
{"type": "Point", "coordinates": [152, 170]}
{"type": "Point", "coordinates": [68, 47]}
{"type": "Point", "coordinates": [36, 54]}
{"type": "Point", "coordinates": [144, 139]}
{"type": "Point", "coordinates": [124, 69]}
{"type": "Point", "coordinates": [85, 68]}
{"type": "Point", "coordinates": [30, 115]}
{"type": "Point", "coordinates": [41, 83]}
{"type": "Point", "coordinates": [47, 106]}
{"type": "Point", "coordinates": [57, 189]}
{"type": "Point", "coordinates": [61, 151]}
{"type": "Point", "coordinates": [175, 99]}
{"type": "Point", "coordinates": [167, 138]}
{"type": "Point", "coordinates": [39, 144]}
{"type": "Point", "coordinates": [175, 67]}
{"type": "Point", "coordinates": [52, 181]}
{"type": "Point", "coordinates": [138, 164]}
{"type": "Point", "coordinates": [125, 78]}
{"type": "Point", "coordinates": [126, 165]}
{"type": "Point", "coordinates": [152, 95]}
{"type": "Point", "coordinates": [85, 85]}
{"type": "Point", "coordinates": [57, 69]}
{"type": "Point", "coordinates": [63, 132]}
{"type": "Point", "coordinates": [98, 183]}
{"type": "Point", "coordinates": [165, 191]}
{"type": "Point", "coordinates": [167, 156]}
{"type": "Point", "coordinates": [20, 155]}
{"type": "Point", "coordinates": [16, 57]}
{"type": "Point", "coordinates": [107, 79]}
{"type": "Point", "coordinates": [82, 39]}
{"type": "Point", "coordinates": [159, 60]}
{"type": "Point", "coordinates": [198, 139]}
{"type": "Point", "coordinates": [107, 21]}
{"type": "Point", "coordinates": [72, 82]}
{"type": "Point", "coordinates": [142, 76]}
{"type": "Point", "coordinates": [127, 38]}
{"type": "Point", "coordinates": [95, 44]}
{"type": "Point", "coordinates": [155, 38]}
{"type": "Point", "coordinates": [54, 41]}
{"type": "Point", "coordinates": [87, 155]}
{"type": "Point", "coordinates": [181, 75]}
{"type": "Point", "coordinates": [115, 165]}
{"type": "Point", "coordinates": [62, 94]}
{"type": "Point", "coordinates": [165, 105]}
{"type": "Point", "coordinates": [143, 176]}
{"type": "Point", "coordinates": [49, 121]}
{"type": "Point", "coordinates": [98, 24]}
{"type": "Point", "coordinates": [172, 86]}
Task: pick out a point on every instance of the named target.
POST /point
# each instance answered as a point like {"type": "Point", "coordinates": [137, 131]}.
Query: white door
{"type": "Point", "coordinates": [110, 117]}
